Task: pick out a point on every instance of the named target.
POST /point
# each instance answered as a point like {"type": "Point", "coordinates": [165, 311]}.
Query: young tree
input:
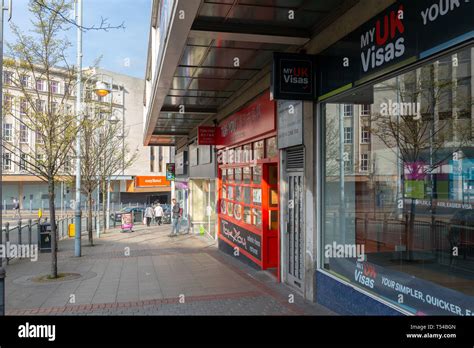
{"type": "Point", "coordinates": [420, 140]}
{"type": "Point", "coordinates": [103, 153]}
{"type": "Point", "coordinates": [39, 64]}
{"type": "Point", "coordinates": [116, 158]}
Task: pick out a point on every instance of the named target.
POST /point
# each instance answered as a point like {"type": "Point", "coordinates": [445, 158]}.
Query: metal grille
{"type": "Point", "coordinates": [295, 228]}
{"type": "Point", "coordinates": [295, 158]}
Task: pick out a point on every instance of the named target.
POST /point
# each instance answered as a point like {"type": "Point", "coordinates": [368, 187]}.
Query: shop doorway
{"type": "Point", "coordinates": [270, 204]}
{"type": "Point", "coordinates": [293, 241]}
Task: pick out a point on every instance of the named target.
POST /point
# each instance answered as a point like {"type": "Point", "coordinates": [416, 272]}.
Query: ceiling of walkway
{"type": "Point", "coordinates": [230, 41]}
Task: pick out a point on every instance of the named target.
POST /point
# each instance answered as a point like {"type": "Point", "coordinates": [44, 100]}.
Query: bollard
{"type": "Point", "coordinates": [7, 236]}
{"type": "Point", "coordinates": [29, 231]}
{"type": "Point", "coordinates": [38, 232]}
{"type": "Point", "coordinates": [2, 291]}
{"type": "Point", "coordinates": [19, 232]}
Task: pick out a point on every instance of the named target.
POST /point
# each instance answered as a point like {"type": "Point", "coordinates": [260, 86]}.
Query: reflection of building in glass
{"type": "Point", "coordinates": [399, 174]}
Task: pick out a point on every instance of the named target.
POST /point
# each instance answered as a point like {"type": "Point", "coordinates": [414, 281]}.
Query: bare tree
{"type": "Point", "coordinates": [114, 160]}
{"type": "Point", "coordinates": [64, 13]}
{"type": "Point", "coordinates": [103, 153]}
{"type": "Point", "coordinates": [38, 60]}
{"type": "Point", "coordinates": [420, 139]}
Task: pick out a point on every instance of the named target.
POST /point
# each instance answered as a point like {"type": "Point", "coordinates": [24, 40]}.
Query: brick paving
{"type": "Point", "coordinates": [148, 273]}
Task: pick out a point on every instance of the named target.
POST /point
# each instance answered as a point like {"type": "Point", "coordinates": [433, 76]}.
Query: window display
{"type": "Point", "coordinates": [404, 205]}
{"type": "Point", "coordinates": [257, 196]}
{"type": "Point", "coordinates": [248, 169]}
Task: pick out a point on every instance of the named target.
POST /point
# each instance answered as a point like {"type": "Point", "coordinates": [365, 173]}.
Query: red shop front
{"type": "Point", "coordinates": [248, 185]}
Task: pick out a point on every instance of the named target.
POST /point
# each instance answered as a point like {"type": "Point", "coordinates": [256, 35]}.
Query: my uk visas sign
{"type": "Point", "coordinates": [293, 76]}
{"type": "Point", "coordinates": [402, 34]}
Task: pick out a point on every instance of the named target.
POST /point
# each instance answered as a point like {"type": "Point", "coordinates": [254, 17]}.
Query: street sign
{"type": "Point", "coordinates": [293, 76]}
{"type": "Point", "coordinates": [170, 171]}
{"type": "Point", "coordinates": [207, 135]}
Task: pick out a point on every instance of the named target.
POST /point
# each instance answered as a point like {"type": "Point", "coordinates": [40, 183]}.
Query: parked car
{"type": "Point", "coordinates": [137, 214]}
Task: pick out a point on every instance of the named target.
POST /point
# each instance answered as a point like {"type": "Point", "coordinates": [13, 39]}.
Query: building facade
{"type": "Point", "coordinates": [374, 169]}
{"type": "Point", "coordinates": [125, 104]}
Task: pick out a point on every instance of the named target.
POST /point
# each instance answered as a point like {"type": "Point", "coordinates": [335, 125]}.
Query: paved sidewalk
{"type": "Point", "coordinates": [148, 273]}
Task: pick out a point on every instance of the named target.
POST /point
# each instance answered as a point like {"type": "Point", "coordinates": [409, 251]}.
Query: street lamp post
{"type": "Point", "coordinates": [101, 90]}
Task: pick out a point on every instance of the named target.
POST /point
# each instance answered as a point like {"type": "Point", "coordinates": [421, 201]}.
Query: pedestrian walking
{"type": "Point", "coordinates": [158, 214]}
{"type": "Point", "coordinates": [175, 217]}
{"type": "Point", "coordinates": [16, 208]}
{"type": "Point", "coordinates": [149, 213]}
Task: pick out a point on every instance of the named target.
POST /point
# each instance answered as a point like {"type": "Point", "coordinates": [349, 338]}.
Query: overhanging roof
{"type": "Point", "coordinates": [224, 45]}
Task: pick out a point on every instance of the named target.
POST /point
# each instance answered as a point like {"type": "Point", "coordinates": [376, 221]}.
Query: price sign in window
{"type": "Point", "coordinates": [257, 196]}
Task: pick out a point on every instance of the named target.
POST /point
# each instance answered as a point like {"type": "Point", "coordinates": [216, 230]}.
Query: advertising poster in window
{"type": "Point", "coordinates": [241, 238]}
{"type": "Point", "coordinates": [415, 295]}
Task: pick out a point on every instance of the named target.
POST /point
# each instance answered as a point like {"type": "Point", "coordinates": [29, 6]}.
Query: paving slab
{"type": "Point", "coordinates": [149, 280]}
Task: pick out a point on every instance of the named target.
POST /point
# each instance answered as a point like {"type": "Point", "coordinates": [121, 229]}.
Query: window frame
{"type": "Point", "coordinates": [8, 132]}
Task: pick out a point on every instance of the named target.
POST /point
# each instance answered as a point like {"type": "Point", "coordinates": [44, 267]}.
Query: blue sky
{"type": "Point", "coordinates": [116, 45]}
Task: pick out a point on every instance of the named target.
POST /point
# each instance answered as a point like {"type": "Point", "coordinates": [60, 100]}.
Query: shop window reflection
{"type": "Point", "coordinates": [257, 217]}
{"type": "Point", "coordinates": [247, 216]}
{"type": "Point", "coordinates": [258, 150]}
{"type": "Point", "coordinates": [272, 149]}
{"type": "Point", "coordinates": [247, 195]}
{"type": "Point", "coordinates": [237, 193]}
{"type": "Point", "coordinates": [408, 203]}
{"type": "Point", "coordinates": [247, 175]}
{"type": "Point", "coordinates": [238, 175]}
{"type": "Point", "coordinates": [257, 174]}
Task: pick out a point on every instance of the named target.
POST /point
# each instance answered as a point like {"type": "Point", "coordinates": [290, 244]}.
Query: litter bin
{"type": "Point", "coordinates": [44, 238]}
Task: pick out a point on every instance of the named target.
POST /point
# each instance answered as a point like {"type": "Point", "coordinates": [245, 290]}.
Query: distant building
{"type": "Point", "coordinates": [127, 104]}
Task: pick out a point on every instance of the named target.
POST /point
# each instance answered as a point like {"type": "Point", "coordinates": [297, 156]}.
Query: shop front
{"type": "Point", "coordinates": [248, 174]}
{"type": "Point", "coordinates": [396, 134]}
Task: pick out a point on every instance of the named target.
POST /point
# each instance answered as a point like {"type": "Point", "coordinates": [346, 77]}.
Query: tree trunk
{"type": "Point", "coordinates": [52, 215]}
{"type": "Point", "coordinates": [411, 229]}
{"type": "Point", "coordinates": [89, 220]}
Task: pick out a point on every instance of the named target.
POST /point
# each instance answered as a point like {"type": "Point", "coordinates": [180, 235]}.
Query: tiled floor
{"type": "Point", "coordinates": [147, 273]}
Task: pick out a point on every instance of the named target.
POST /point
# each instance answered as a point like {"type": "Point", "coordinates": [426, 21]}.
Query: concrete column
{"type": "Point", "coordinates": [309, 198]}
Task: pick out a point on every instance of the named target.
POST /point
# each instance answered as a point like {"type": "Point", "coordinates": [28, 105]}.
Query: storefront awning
{"type": "Point", "coordinates": [227, 45]}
